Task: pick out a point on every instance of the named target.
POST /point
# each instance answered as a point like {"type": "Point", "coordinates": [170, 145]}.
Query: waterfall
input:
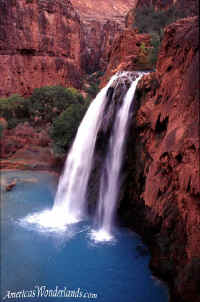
{"type": "Point", "coordinates": [70, 201]}
{"type": "Point", "coordinates": [70, 198]}
{"type": "Point", "coordinates": [110, 179]}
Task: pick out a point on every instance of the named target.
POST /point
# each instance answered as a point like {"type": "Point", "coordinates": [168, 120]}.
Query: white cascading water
{"type": "Point", "coordinates": [110, 179]}
{"type": "Point", "coordinates": [70, 203]}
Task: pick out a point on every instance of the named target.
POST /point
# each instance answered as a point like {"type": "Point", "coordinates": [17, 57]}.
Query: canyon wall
{"type": "Point", "coordinates": [103, 10]}
{"type": "Point", "coordinates": [40, 44]}
{"type": "Point", "coordinates": [98, 38]}
{"type": "Point", "coordinates": [189, 7]}
{"type": "Point", "coordinates": [101, 23]}
{"type": "Point", "coordinates": [127, 53]}
{"type": "Point", "coordinates": [43, 38]}
{"type": "Point", "coordinates": [162, 189]}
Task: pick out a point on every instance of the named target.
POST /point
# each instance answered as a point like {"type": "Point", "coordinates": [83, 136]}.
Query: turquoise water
{"type": "Point", "coordinates": [40, 265]}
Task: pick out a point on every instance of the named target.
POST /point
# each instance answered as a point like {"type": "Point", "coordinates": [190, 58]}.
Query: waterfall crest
{"type": "Point", "coordinates": [110, 179]}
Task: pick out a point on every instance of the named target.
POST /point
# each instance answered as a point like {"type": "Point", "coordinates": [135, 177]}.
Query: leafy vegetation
{"type": "Point", "coordinates": [149, 20]}
{"type": "Point", "coordinates": [93, 82]}
{"type": "Point", "coordinates": [1, 130]}
{"type": "Point", "coordinates": [62, 108]}
{"type": "Point", "coordinates": [50, 101]}
{"type": "Point", "coordinates": [64, 128]}
{"type": "Point", "coordinates": [14, 109]}
{"type": "Point", "coordinates": [154, 50]}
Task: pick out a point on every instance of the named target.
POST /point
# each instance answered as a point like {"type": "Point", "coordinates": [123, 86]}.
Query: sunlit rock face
{"type": "Point", "coordinates": [103, 10]}
{"type": "Point", "coordinates": [101, 23]}
{"type": "Point", "coordinates": [40, 44]}
{"type": "Point", "coordinates": [162, 193]}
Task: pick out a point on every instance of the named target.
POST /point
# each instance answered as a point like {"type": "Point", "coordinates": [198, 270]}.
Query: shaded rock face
{"type": "Point", "coordinates": [40, 44]}
{"type": "Point", "coordinates": [101, 22]}
{"type": "Point", "coordinates": [126, 54]}
{"type": "Point", "coordinates": [162, 193]}
{"type": "Point", "coordinates": [98, 38]}
{"type": "Point", "coordinates": [192, 5]}
{"type": "Point", "coordinates": [190, 8]}
{"type": "Point", "coordinates": [158, 4]}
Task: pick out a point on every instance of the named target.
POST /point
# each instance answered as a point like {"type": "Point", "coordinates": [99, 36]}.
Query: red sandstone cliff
{"type": "Point", "coordinates": [46, 43]}
{"type": "Point", "coordinates": [101, 22]}
{"type": "Point", "coordinates": [163, 187]}
{"type": "Point", "coordinates": [126, 53]}
{"type": "Point", "coordinates": [40, 44]}
{"type": "Point", "coordinates": [103, 10]}
{"type": "Point", "coordinates": [98, 38]}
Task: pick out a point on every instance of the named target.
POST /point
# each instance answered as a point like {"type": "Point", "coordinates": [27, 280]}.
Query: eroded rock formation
{"type": "Point", "coordinates": [162, 194]}
{"type": "Point", "coordinates": [127, 53]}
{"type": "Point", "coordinates": [101, 22]}
{"type": "Point", "coordinates": [41, 39]}
{"type": "Point", "coordinates": [98, 38]}
{"type": "Point", "coordinates": [40, 44]}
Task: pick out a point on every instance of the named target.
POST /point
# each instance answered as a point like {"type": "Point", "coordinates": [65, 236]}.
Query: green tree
{"type": "Point", "coordinates": [50, 101]}
{"type": "Point", "coordinates": [149, 20]}
{"type": "Point", "coordinates": [14, 109]}
{"type": "Point", "coordinates": [64, 128]}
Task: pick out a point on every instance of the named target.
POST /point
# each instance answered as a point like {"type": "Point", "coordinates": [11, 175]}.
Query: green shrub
{"type": "Point", "coordinates": [14, 109]}
{"type": "Point", "coordinates": [64, 128]}
{"type": "Point", "coordinates": [147, 20]}
{"type": "Point", "coordinates": [49, 102]}
{"type": "Point", "coordinates": [154, 50]}
{"type": "Point", "coordinates": [46, 103]}
{"type": "Point", "coordinates": [93, 81]}
{"type": "Point", "coordinates": [92, 90]}
{"type": "Point", "coordinates": [1, 130]}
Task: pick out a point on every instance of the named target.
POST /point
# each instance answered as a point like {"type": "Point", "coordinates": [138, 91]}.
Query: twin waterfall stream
{"type": "Point", "coordinates": [75, 250]}
{"type": "Point", "coordinates": [70, 205]}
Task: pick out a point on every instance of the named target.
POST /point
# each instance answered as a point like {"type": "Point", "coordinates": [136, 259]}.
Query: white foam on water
{"type": "Point", "coordinates": [101, 236]}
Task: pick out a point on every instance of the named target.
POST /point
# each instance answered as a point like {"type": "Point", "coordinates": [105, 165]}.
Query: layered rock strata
{"type": "Point", "coordinates": [40, 45]}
